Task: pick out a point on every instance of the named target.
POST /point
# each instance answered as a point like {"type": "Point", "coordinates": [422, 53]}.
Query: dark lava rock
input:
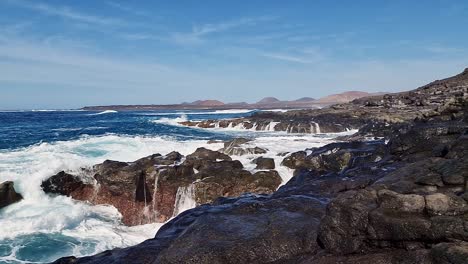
{"type": "Point", "coordinates": [8, 195]}
{"type": "Point", "coordinates": [237, 147]}
{"type": "Point", "coordinates": [264, 163]}
{"type": "Point", "coordinates": [63, 183]}
{"type": "Point", "coordinates": [450, 253]}
{"type": "Point", "coordinates": [337, 157]}
{"type": "Point", "coordinates": [146, 190]}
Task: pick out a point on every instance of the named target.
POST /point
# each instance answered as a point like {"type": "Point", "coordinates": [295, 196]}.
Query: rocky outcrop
{"type": "Point", "coordinates": [337, 157]}
{"type": "Point", "coordinates": [402, 200]}
{"type": "Point", "coordinates": [238, 147]}
{"type": "Point", "coordinates": [372, 113]}
{"type": "Point", "coordinates": [8, 195]}
{"type": "Point", "coordinates": [155, 188]}
{"type": "Point", "coordinates": [264, 163]}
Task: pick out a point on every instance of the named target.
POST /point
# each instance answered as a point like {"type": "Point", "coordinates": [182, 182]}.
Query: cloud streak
{"type": "Point", "coordinates": [126, 8]}
{"type": "Point", "coordinates": [198, 33]}
{"type": "Point", "coordinates": [287, 58]}
{"type": "Point", "coordinates": [66, 13]}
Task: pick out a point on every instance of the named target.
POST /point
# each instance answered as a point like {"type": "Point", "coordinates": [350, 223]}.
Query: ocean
{"type": "Point", "coordinates": [35, 145]}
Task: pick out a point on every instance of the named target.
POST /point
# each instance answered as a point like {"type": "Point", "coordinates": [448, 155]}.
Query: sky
{"type": "Point", "coordinates": [63, 54]}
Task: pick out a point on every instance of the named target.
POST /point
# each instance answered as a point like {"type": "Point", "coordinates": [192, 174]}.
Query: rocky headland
{"type": "Point", "coordinates": [394, 192]}
{"type": "Point", "coordinates": [369, 114]}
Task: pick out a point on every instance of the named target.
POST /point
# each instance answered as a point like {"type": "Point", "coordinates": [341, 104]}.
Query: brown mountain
{"type": "Point", "coordinates": [344, 97]}
{"type": "Point", "coordinates": [208, 103]}
{"type": "Point", "coordinates": [268, 100]}
{"type": "Point", "coordinates": [305, 99]}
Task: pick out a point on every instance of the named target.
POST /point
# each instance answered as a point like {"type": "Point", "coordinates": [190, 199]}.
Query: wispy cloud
{"type": "Point", "coordinates": [126, 8]}
{"type": "Point", "coordinates": [66, 13]}
{"type": "Point", "coordinates": [306, 55]}
{"type": "Point", "coordinates": [442, 49]}
{"type": "Point", "coordinates": [199, 32]}
{"type": "Point", "coordinates": [287, 58]}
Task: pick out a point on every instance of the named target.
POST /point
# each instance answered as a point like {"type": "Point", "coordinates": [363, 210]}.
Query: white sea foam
{"type": "Point", "coordinates": [105, 112]}
{"type": "Point", "coordinates": [185, 199]}
{"type": "Point", "coordinates": [217, 112]}
{"type": "Point", "coordinates": [41, 213]}
{"type": "Point", "coordinates": [172, 121]}
{"type": "Point", "coordinates": [276, 145]}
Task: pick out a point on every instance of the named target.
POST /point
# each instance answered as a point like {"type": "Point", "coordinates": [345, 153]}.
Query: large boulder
{"type": "Point", "coordinates": [337, 157]}
{"type": "Point", "coordinates": [238, 147]}
{"type": "Point", "coordinates": [8, 195]}
{"type": "Point", "coordinates": [64, 184]}
{"type": "Point", "coordinates": [155, 188]}
{"type": "Point", "coordinates": [264, 163]}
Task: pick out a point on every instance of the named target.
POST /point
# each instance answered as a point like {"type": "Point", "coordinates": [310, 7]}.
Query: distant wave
{"type": "Point", "coordinates": [105, 112]}
{"type": "Point", "coordinates": [77, 129]}
{"type": "Point", "coordinates": [171, 121]}
{"type": "Point", "coordinates": [217, 112]}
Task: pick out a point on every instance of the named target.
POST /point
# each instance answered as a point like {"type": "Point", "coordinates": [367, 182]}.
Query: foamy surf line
{"type": "Point", "coordinates": [86, 229]}
{"type": "Point", "coordinates": [104, 112]}
{"type": "Point", "coordinates": [217, 112]}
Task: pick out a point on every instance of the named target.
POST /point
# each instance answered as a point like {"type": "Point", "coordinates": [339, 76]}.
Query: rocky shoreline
{"type": "Point", "coordinates": [369, 114]}
{"type": "Point", "coordinates": [395, 192]}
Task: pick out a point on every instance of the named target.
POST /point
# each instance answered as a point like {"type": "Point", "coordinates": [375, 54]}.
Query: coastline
{"type": "Point", "coordinates": [400, 199]}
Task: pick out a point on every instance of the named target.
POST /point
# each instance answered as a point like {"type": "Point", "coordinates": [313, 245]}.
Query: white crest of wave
{"type": "Point", "coordinates": [216, 112]}
{"type": "Point", "coordinates": [172, 121]}
{"type": "Point", "coordinates": [105, 112]}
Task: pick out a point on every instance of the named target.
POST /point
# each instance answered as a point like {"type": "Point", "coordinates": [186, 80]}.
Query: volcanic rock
{"type": "Point", "coordinates": [8, 195]}
{"type": "Point", "coordinates": [264, 163]}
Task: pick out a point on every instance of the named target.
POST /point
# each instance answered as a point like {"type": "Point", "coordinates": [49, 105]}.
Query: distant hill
{"type": "Point", "coordinates": [305, 99]}
{"type": "Point", "coordinates": [265, 103]}
{"type": "Point", "coordinates": [344, 97]}
{"type": "Point", "coordinates": [208, 103]}
{"type": "Point", "coordinates": [268, 100]}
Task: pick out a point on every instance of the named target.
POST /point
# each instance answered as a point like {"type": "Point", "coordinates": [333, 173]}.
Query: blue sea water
{"type": "Point", "coordinates": [25, 128]}
{"type": "Point", "coordinates": [35, 145]}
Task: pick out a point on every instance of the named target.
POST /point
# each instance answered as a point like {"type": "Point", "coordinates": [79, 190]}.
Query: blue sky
{"type": "Point", "coordinates": [68, 54]}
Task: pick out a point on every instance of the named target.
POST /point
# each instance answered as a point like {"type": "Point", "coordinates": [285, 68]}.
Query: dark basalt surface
{"type": "Point", "coordinates": [402, 199]}
{"type": "Point", "coordinates": [8, 195]}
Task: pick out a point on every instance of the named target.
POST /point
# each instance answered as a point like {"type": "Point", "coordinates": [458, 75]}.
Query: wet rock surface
{"type": "Point", "coordinates": [8, 195]}
{"type": "Point", "coordinates": [264, 163]}
{"type": "Point", "coordinates": [402, 199]}
{"type": "Point", "coordinates": [147, 190]}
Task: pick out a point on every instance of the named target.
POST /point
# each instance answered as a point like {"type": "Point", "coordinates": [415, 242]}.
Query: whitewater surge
{"type": "Point", "coordinates": [105, 112]}
{"type": "Point", "coordinates": [60, 226]}
{"type": "Point", "coordinates": [185, 199]}
{"type": "Point", "coordinates": [83, 228]}
{"type": "Point", "coordinates": [216, 112]}
{"type": "Point", "coordinates": [172, 121]}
